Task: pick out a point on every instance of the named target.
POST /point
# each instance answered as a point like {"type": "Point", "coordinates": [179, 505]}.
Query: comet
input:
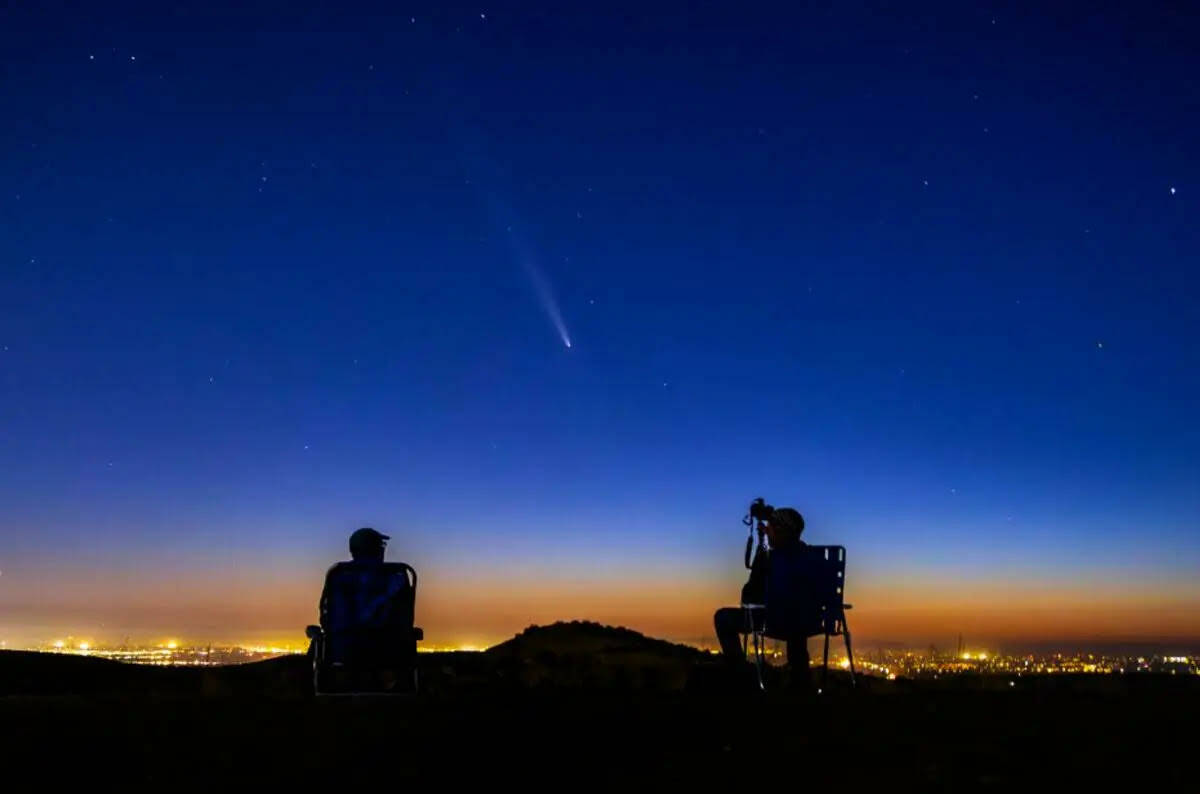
{"type": "Point", "coordinates": [504, 216]}
{"type": "Point", "coordinates": [545, 296]}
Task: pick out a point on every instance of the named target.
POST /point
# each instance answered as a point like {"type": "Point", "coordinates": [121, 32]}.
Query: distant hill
{"type": "Point", "coordinates": [586, 637]}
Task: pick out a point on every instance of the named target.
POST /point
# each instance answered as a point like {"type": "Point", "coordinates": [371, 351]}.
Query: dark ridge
{"type": "Point", "coordinates": [587, 637]}
{"type": "Point", "coordinates": [34, 673]}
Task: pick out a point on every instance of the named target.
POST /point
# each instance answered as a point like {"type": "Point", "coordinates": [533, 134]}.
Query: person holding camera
{"type": "Point", "coordinates": [779, 530]}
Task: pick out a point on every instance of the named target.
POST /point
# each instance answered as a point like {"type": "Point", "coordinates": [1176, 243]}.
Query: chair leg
{"type": "Point", "coordinates": [849, 654]}
{"type": "Point", "coordinates": [825, 664]}
{"type": "Point", "coordinates": [758, 658]}
{"type": "Point", "coordinates": [315, 652]}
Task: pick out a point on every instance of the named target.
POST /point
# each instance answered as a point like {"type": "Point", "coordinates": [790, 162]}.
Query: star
{"type": "Point", "coordinates": [483, 16]}
{"type": "Point", "coordinates": [926, 183]}
{"type": "Point", "coordinates": [306, 446]}
{"type": "Point", "coordinates": [133, 57]}
{"type": "Point", "coordinates": [1172, 191]}
{"type": "Point", "coordinates": [91, 57]}
{"type": "Point", "coordinates": [1099, 345]}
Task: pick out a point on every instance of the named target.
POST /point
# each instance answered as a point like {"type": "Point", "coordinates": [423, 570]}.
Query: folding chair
{"type": "Point", "coordinates": [366, 629]}
{"type": "Point", "coordinates": [805, 597]}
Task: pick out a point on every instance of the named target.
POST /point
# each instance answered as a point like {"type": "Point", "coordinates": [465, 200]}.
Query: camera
{"type": "Point", "coordinates": [760, 514]}
{"type": "Point", "coordinates": [760, 510]}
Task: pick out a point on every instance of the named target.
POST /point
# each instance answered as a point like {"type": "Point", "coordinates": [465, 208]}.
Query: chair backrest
{"type": "Point", "coordinates": [805, 590]}
{"type": "Point", "coordinates": [367, 609]}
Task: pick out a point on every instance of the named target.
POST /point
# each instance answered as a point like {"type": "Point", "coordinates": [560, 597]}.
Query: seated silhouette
{"type": "Point", "coordinates": [366, 639]}
{"type": "Point", "coordinates": [779, 599]}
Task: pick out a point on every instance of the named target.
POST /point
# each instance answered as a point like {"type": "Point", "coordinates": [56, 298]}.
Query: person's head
{"type": "Point", "coordinates": [367, 544]}
{"type": "Point", "coordinates": [784, 527]}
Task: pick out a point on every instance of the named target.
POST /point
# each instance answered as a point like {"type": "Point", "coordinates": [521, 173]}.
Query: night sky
{"type": "Point", "coordinates": [549, 293]}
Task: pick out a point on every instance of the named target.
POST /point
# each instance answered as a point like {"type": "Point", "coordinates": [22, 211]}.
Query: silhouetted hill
{"type": "Point", "coordinates": [576, 655]}
{"type": "Point", "coordinates": [586, 637]}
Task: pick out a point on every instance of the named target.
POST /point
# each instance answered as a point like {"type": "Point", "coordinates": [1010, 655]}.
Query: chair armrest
{"type": "Point", "coordinates": [754, 606]}
{"type": "Point", "coordinates": [418, 634]}
{"type": "Point", "coordinates": [314, 632]}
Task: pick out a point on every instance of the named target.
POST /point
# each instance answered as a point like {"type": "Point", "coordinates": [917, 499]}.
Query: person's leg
{"type": "Point", "coordinates": [798, 662]}
{"type": "Point", "coordinates": [730, 623]}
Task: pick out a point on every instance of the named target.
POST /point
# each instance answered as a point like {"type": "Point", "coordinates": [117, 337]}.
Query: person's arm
{"type": "Point", "coordinates": [755, 589]}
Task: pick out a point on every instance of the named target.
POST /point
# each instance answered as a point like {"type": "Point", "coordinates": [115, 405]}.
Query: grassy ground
{"type": "Point", "coordinates": [233, 726]}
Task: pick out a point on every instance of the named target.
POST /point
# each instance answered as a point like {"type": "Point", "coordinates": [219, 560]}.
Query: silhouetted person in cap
{"type": "Point", "coordinates": [367, 547]}
{"type": "Point", "coordinates": [783, 532]}
{"type": "Point", "coordinates": [366, 611]}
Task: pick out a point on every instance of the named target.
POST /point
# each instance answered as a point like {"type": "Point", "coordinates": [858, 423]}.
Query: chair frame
{"type": "Point", "coordinates": [833, 623]}
{"type": "Point", "coordinates": [320, 668]}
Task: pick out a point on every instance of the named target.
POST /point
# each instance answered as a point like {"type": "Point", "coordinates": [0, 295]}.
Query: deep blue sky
{"type": "Point", "coordinates": [927, 273]}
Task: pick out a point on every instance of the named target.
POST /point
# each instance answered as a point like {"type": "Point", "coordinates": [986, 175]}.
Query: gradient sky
{"type": "Point", "coordinates": [926, 273]}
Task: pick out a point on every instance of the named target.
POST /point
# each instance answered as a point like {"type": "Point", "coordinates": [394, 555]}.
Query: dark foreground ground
{"type": "Point", "coordinates": [546, 721]}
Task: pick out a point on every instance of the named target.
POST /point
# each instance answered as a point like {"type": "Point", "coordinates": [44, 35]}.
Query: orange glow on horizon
{"type": "Point", "coordinates": [483, 611]}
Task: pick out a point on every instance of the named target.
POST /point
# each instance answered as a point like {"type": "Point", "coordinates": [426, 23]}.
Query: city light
{"type": "Point", "coordinates": [891, 664]}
